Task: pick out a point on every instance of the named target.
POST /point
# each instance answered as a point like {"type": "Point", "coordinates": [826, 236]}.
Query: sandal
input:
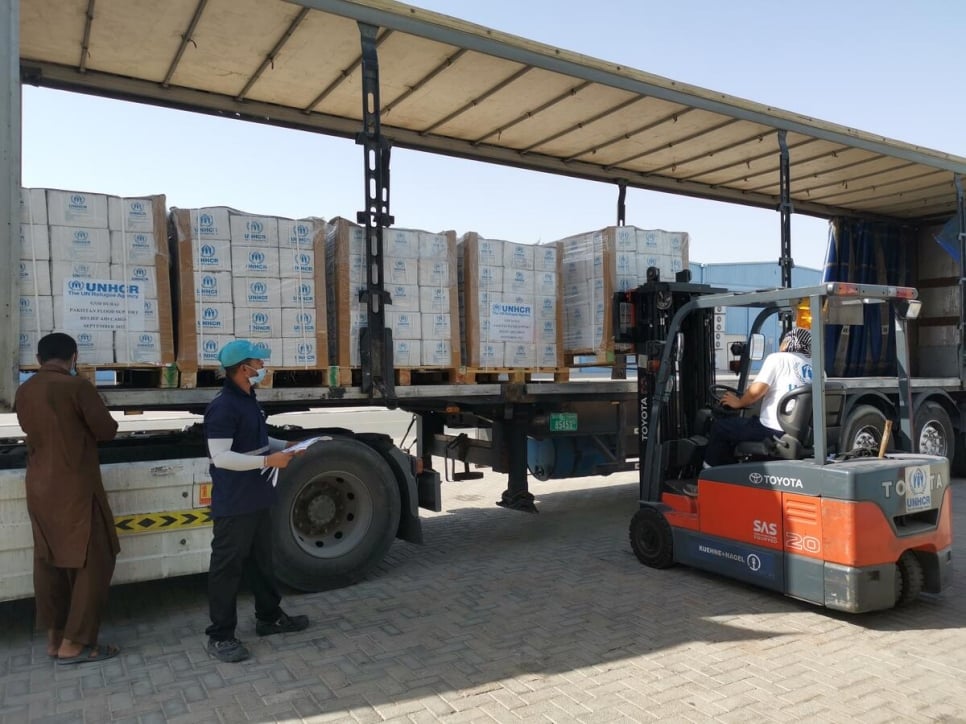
{"type": "Point", "coordinates": [90, 653]}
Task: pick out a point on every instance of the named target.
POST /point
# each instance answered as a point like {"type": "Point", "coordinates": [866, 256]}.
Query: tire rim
{"type": "Point", "coordinates": [932, 439]}
{"type": "Point", "coordinates": [331, 514]}
{"type": "Point", "coordinates": [867, 437]}
{"type": "Point", "coordinates": [649, 540]}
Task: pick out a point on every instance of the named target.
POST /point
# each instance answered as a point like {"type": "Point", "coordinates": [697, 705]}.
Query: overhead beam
{"type": "Point", "coordinates": [273, 54]}
{"type": "Point", "coordinates": [186, 38]}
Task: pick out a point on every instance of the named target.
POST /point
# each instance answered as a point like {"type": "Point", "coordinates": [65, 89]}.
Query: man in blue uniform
{"type": "Point", "coordinates": [243, 463]}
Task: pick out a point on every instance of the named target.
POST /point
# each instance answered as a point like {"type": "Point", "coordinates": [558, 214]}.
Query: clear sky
{"type": "Point", "coordinates": [885, 67]}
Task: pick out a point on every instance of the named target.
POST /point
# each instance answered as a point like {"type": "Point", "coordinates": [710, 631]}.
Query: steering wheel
{"type": "Point", "coordinates": [717, 408]}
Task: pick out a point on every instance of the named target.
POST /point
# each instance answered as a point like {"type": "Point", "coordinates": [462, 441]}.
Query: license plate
{"type": "Point", "coordinates": [563, 422]}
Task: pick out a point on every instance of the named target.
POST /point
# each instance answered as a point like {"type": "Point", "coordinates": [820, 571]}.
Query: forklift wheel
{"type": "Point", "coordinates": [909, 579]}
{"type": "Point", "coordinates": [651, 538]}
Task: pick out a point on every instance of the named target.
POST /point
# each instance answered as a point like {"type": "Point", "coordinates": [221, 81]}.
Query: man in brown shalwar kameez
{"type": "Point", "coordinates": [75, 544]}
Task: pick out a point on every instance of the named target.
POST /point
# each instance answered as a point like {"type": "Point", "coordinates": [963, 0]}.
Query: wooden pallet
{"type": "Point", "coordinates": [129, 376]}
{"type": "Point", "coordinates": [517, 375]}
{"type": "Point", "coordinates": [275, 377]}
{"type": "Point", "coordinates": [402, 376]}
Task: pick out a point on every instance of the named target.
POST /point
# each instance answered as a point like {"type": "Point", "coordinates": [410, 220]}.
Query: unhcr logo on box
{"type": "Point", "coordinates": [210, 318]}
{"type": "Point", "coordinates": [209, 286]}
{"type": "Point", "coordinates": [137, 209]}
{"type": "Point", "coordinates": [260, 322]}
{"type": "Point", "coordinates": [258, 292]}
{"type": "Point", "coordinates": [304, 323]}
{"type": "Point", "coordinates": [81, 238]}
{"type": "Point", "coordinates": [206, 224]}
{"type": "Point", "coordinates": [304, 293]}
{"type": "Point", "coordinates": [209, 350]}
{"type": "Point", "coordinates": [255, 231]}
{"type": "Point", "coordinates": [305, 353]}
{"type": "Point", "coordinates": [256, 261]}
{"type": "Point", "coordinates": [77, 202]}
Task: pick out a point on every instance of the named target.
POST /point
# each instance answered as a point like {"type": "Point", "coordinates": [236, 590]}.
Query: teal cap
{"type": "Point", "coordinates": [239, 350]}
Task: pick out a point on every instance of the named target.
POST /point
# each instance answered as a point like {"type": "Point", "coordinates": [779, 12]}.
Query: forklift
{"type": "Point", "coordinates": [838, 528]}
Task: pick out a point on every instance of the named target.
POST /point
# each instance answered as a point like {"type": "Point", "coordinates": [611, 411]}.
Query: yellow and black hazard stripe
{"type": "Point", "coordinates": [167, 520]}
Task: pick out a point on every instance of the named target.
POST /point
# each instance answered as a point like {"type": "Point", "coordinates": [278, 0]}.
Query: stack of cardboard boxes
{"type": "Point", "coordinates": [598, 263]}
{"type": "Point", "coordinates": [509, 304]}
{"type": "Point", "coordinates": [254, 277]}
{"type": "Point", "coordinates": [73, 246]}
{"type": "Point", "coordinates": [420, 277]}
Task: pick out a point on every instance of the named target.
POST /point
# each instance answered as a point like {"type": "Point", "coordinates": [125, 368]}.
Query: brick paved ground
{"type": "Point", "coordinates": [503, 616]}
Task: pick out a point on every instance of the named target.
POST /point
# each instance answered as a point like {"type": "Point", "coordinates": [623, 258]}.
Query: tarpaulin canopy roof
{"type": "Point", "coordinates": [452, 87]}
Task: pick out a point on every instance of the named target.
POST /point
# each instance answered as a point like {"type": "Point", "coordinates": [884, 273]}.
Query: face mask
{"type": "Point", "coordinates": [73, 371]}
{"type": "Point", "coordinates": [258, 377]}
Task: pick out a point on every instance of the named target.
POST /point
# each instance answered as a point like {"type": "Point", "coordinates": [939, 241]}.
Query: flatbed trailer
{"type": "Point", "coordinates": [301, 64]}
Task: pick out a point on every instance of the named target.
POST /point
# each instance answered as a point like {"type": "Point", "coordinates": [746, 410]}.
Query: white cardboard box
{"type": "Point", "coordinates": [214, 318]}
{"type": "Point", "coordinates": [546, 355]}
{"type": "Point", "coordinates": [298, 233]}
{"type": "Point", "coordinates": [253, 230]}
{"type": "Point", "coordinates": [518, 256]}
{"type": "Point", "coordinates": [211, 255]}
{"type": "Point", "coordinates": [491, 354]}
{"type": "Point", "coordinates": [260, 292]}
{"type": "Point", "coordinates": [402, 271]}
{"type": "Point", "coordinates": [76, 208]}
{"type": "Point", "coordinates": [404, 325]}
{"type": "Point", "coordinates": [520, 354]}
{"type": "Point", "coordinates": [139, 247]}
{"type": "Point", "coordinates": [151, 321]}
{"type": "Point", "coordinates": [297, 293]}
{"type": "Point", "coordinates": [94, 348]}
{"type": "Point", "coordinates": [33, 207]}
{"type": "Point", "coordinates": [490, 252]}
{"type": "Point", "coordinates": [546, 307]}
{"type": "Point", "coordinates": [28, 347]}
{"type": "Point", "coordinates": [434, 299]}
{"type": "Point", "coordinates": [546, 331]}
{"type": "Point", "coordinates": [518, 281]}
{"type": "Point", "coordinates": [491, 278]}
{"type": "Point", "coordinates": [260, 323]}
{"type": "Point", "coordinates": [405, 297]}
{"type": "Point", "coordinates": [298, 323]}
{"type": "Point", "coordinates": [34, 242]}
{"type": "Point", "coordinates": [545, 283]}
{"type": "Point", "coordinates": [209, 223]}
{"type": "Point", "coordinates": [406, 352]}
{"type": "Point", "coordinates": [433, 246]}
{"type": "Point", "coordinates": [436, 353]}
{"type": "Point", "coordinates": [144, 276]}
{"type": "Point", "coordinates": [137, 347]}
{"type": "Point", "coordinates": [435, 273]}
{"type": "Point", "coordinates": [400, 244]}
{"type": "Point", "coordinates": [436, 327]}
{"type": "Point", "coordinates": [296, 263]}
{"type": "Point", "coordinates": [254, 261]}
{"type": "Point", "coordinates": [213, 286]}
{"type": "Point", "coordinates": [545, 258]}
{"type": "Point", "coordinates": [73, 243]}
{"type": "Point", "coordinates": [300, 353]}
{"type": "Point", "coordinates": [35, 278]}
{"type": "Point", "coordinates": [357, 269]}
{"type": "Point", "coordinates": [63, 270]}
{"type": "Point", "coordinates": [129, 215]}
{"type": "Point", "coordinates": [37, 314]}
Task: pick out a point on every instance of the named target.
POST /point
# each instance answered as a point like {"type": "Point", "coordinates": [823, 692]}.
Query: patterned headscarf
{"type": "Point", "coordinates": [799, 340]}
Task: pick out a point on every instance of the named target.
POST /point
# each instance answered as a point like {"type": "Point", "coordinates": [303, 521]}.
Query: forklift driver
{"type": "Point", "coordinates": [784, 370]}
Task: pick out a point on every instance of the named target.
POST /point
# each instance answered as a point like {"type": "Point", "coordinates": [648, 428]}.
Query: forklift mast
{"type": "Point", "coordinates": [642, 318]}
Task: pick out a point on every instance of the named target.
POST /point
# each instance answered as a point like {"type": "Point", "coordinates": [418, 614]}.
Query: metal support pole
{"type": "Point", "coordinates": [10, 181]}
{"type": "Point", "coordinates": [621, 198]}
{"type": "Point", "coordinates": [961, 214]}
{"type": "Point", "coordinates": [510, 437]}
{"type": "Point", "coordinates": [376, 353]}
{"type": "Point", "coordinates": [786, 210]}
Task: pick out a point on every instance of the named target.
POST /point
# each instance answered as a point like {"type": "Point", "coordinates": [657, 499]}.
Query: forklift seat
{"type": "Point", "coordinates": [795, 417]}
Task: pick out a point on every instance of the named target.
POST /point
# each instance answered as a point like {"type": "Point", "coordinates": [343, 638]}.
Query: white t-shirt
{"type": "Point", "coordinates": [781, 371]}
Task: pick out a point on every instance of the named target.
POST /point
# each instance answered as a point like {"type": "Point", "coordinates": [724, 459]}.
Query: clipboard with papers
{"type": "Point", "coordinates": [298, 447]}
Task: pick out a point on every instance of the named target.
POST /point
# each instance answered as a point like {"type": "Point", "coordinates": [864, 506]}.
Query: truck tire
{"type": "Point", "coordinates": [863, 429]}
{"type": "Point", "coordinates": [336, 516]}
{"type": "Point", "coordinates": [909, 579]}
{"type": "Point", "coordinates": [934, 431]}
{"type": "Point", "coordinates": [651, 538]}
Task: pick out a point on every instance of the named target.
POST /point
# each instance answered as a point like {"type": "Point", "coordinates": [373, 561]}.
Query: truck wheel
{"type": "Point", "coordinates": [337, 514]}
{"type": "Point", "coordinates": [934, 431]}
{"type": "Point", "coordinates": [909, 579]}
{"type": "Point", "coordinates": [863, 429]}
{"type": "Point", "coordinates": [651, 538]}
